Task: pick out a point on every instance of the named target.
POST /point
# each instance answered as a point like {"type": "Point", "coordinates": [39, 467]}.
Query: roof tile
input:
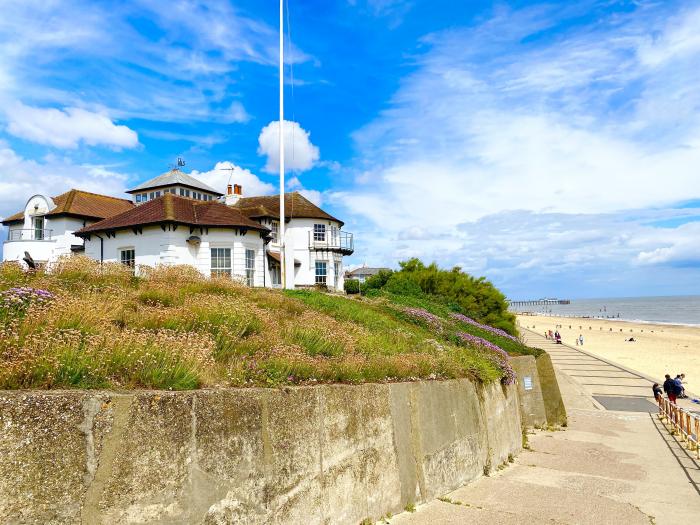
{"type": "Point", "coordinates": [171, 208]}
{"type": "Point", "coordinates": [82, 204]}
{"type": "Point", "coordinates": [295, 206]}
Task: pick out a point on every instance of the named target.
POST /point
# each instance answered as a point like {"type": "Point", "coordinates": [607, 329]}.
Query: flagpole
{"type": "Point", "coordinates": [283, 265]}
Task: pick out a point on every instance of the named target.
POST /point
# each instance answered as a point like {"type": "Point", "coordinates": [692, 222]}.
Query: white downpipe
{"type": "Point", "coordinates": [283, 264]}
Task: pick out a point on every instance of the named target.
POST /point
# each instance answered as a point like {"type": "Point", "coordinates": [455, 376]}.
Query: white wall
{"type": "Point", "coordinates": [155, 246]}
{"type": "Point", "coordinates": [298, 232]}
{"type": "Point", "coordinates": [58, 240]}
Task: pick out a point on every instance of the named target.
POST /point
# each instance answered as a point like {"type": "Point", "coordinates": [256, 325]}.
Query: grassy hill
{"type": "Point", "coordinates": [89, 326]}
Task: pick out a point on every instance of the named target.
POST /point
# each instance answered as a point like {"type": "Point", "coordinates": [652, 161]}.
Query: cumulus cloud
{"type": "Point", "coordinates": [183, 73]}
{"type": "Point", "coordinates": [226, 171]}
{"type": "Point", "coordinates": [299, 153]}
{"type": "Point", "coordinates": [21, 177]}
{"type": "Point", "coordinates": [67, 128]}
{"type": "Point", "coordinates": [584, 121]}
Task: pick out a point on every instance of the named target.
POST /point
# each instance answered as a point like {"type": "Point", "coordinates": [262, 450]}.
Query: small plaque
{"type": "Point", "coordinates": [527, 382]}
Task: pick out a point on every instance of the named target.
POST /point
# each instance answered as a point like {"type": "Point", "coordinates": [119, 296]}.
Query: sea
{"type": "Point", "coordinates": [683, 310]}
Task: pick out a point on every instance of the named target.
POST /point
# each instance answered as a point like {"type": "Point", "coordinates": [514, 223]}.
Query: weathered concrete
{"type": "Point", "coordinates": [532, 410]}
{"type": "Point", "coordinates": [551, 395]}
{"type": "Point", "coordinates": [327, 454]}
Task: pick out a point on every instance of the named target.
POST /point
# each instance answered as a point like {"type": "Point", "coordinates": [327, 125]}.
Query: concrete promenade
{"type": "Point", "coordinates": [615, 463]}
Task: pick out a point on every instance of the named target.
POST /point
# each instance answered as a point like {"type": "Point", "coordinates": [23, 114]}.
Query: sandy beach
{"type": "Point", "coordinates": [656, 350]}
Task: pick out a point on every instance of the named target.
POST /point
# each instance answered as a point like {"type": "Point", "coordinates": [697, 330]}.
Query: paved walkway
{"type": "Point", "coordinates": [608, 466]}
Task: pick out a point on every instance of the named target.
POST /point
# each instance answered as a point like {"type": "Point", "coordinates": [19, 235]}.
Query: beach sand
{"type": "Point", "coordinates": [657, 349]}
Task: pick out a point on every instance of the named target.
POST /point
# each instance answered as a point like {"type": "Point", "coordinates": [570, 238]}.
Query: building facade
{"type": "Point", "coordinates": [45, 228]}
{"type": "Point", "coordinates": [177, 219]}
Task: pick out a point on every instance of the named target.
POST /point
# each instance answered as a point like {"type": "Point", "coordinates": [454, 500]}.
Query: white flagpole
{"type": "Point", "coordinates": [283, 266]}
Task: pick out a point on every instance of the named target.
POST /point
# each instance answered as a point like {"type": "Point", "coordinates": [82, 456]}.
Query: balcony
{"type": "Point", "coordinates": [333, 241]}
{"type": "Point", "coordinates": [29, 234]}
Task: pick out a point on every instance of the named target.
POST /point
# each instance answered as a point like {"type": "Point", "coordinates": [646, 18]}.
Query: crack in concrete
{"type": "Point", "coordinates": [90, 513]}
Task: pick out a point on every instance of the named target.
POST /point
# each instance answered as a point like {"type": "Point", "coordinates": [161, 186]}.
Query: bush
{"type": "Point", "coordinates": [474, 297]}
{"type": "Point", "coordinates": [351, 286]}
{"type": "Point", "coordinates": [377, 281]}
{"type": "Point", "coordinates": [402, 284]}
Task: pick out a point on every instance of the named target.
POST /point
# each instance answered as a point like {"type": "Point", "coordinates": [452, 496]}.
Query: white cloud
{"type": "Point", "coordinates": [677, 246]}
{"type": "Point", "coordinates": [21, 177]}
{"type": "Point", "coordinates": [184, 73]}
{"type": "Point", "coordinates": [299, 153]}
{"type": "Point", "coordinates": [227, 172]}
{"type": "Point", "coordinates": [314, 196]}
{"type": "Point", "coordinates": [505, 117]}
{"type": "Point", "coordinates": [68, 127]}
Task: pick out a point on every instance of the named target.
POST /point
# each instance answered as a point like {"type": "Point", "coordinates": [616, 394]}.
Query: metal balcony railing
{"type": "Point", "coordinates": [30, 234]}
{"type": "Point", "coordinates": [332, 240]}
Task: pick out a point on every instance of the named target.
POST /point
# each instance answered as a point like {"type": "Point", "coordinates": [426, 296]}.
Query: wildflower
{"type": "Point", "coordinates": [423, 315]}
{"type": "Point", "coordinates": [495, 331]}
{"type": "Point", "coordinates": [497, 355]}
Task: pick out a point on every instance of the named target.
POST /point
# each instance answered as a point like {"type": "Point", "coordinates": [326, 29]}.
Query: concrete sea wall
{"type": "Point", "coordinates": [326, 454]}
{"type": "Point", "coordinates": [532, 411]}
{"type": "Point", "coordinates": [551, 395]}
{"type": "Point", "coordinates": [539, 397]}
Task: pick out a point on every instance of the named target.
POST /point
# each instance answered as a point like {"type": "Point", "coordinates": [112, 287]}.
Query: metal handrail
{"type": "Point", "coordinates": [29, 234]}
{"type": "Point", "coordinates": [686, 424]}
{"type": "Point", "coordinates": [332, 240]}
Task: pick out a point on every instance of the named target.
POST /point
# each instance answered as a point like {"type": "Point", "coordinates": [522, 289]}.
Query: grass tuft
{"type": "Point", "coordinates": [99, 326]}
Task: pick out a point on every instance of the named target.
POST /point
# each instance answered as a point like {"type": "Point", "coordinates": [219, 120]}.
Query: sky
{"type": "Point", "coordinates": [553, 148]}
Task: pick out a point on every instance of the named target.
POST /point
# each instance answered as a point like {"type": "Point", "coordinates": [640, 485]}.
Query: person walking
{"type": "Point", "coordinates": [580, 339]}
{"type": "Point", "coordinates": [658, 393]}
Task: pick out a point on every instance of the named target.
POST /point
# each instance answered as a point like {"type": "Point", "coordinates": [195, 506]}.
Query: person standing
{"type": "Point", "coordinates": [670, 389]}
{"type": "Point", "coordinates": [580, 339]}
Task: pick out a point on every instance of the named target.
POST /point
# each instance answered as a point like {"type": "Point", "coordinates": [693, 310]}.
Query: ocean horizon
{"type": "Point", "coordinates": [680, 309]}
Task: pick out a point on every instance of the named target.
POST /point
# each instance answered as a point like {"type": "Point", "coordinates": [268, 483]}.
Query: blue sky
{"type": "Point", "coordinates": [552, 147]}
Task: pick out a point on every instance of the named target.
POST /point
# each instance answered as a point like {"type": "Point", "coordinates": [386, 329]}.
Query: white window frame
{"type": "Point", "coordinates": [221, 268]}
{"type": "Point", "coordinates": [337, 268]}
{"type": "Point", "coordinates": [250, 266]}
{"type": "Point", "coordinates": [128, 261]}
{"type": "Point", "coordinates": [275, 231]}
{"type": "Point", "coordinates": [38, 225]}
{"type": "Point", "coordinates": [319, 232]}
{"type": "Point", "coordinates": [321, 277]}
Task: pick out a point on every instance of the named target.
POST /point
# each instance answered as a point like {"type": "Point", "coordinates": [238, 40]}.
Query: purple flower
{"type": "Point", "coordinates": [21, 298]}
{"type": "Point", "coordinates": [495, 331]}
{"type": "Point", "coordinates": [423, 315]}
{"type": "Point", "coordinates": [496, 355]}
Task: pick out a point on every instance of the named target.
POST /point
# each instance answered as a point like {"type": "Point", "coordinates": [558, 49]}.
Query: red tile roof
{"type": "Point", "coordinates": [295, 206]}
{"type": "Point", "coordinates": [82, 204]}
{"type": "Point", "coordinates": [170, 208]}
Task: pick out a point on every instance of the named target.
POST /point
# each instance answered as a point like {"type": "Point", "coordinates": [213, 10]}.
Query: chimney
{"type": "Point", "coordinates": [233, 193]}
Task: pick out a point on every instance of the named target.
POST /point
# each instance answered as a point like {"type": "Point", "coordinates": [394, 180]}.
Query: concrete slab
{"type": "Point", "coordinates": [628, 404]}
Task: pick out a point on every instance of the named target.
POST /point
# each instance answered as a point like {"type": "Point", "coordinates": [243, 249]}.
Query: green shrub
{"type": "Point", "coordinates": [377, 281]}
{"type": "Point", "coordinates": [402, 284]}
{"type": "Point", "coordinates": [351, 286]}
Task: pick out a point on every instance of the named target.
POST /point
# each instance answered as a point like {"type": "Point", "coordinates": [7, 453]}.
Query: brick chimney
{"type": "Point", "coordinates": [233, 193]}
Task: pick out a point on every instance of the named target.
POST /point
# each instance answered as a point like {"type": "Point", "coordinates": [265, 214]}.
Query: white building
{"type": "Point", "coordinates": [364, 272]}
{"type": "Point", "coordinates": [177, 219]}
{"type": "Point", "coordinates": [45, 227]}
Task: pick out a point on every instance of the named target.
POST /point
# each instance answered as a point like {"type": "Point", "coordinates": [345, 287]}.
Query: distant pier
{"type": "Point", "coordinates": [539, 302]}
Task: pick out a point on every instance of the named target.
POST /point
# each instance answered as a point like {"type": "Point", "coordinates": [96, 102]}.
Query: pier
{"type": "Point", "coordinates": [539, 302]}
